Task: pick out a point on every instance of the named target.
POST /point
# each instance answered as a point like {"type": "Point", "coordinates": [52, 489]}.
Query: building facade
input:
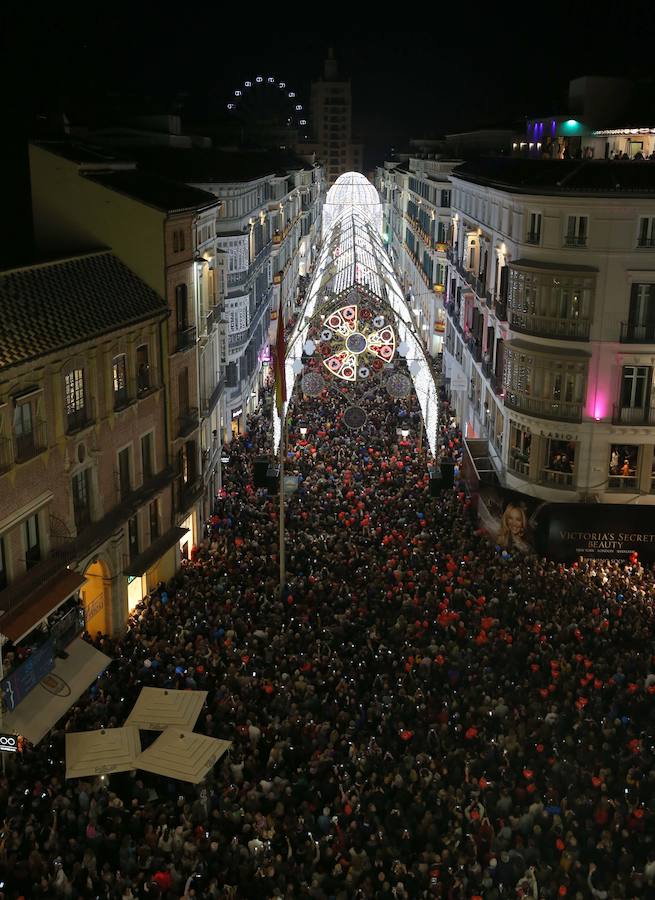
{"type": "Point", "coordinates": [549, 350]}
{"type": "Point", "coordinates": [166, 233]}
{"type": "Point", "coordinates": [417, 228]}
{"type": "Point", "coordinates": [268, 231]}
{"type": "Point", "coordinates": [86, 488]}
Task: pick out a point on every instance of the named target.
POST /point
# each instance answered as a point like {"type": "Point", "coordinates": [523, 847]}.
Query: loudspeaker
{"type": "Point", "coordinates": [260, 471]}
{"type": "Point", "coordinates": [273, 479]}
{"type": "Point", "coordinates": [436, 484]}
{"type": "Point", "coordinates": [447, 473]}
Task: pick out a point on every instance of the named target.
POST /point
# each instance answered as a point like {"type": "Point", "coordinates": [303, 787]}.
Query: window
{"type": "Point", "coordinates": [641, 318]}
{"type": "Point", "coordinates": [32, 544]}
{"type": "Point", "coordinates": [124, 480]}
{"type": "Point", "coordinates": [154, 520]}
{"type": "Point", "coordinates": [622, 467]}
{"type": "Point", "coordinates": [534, 228]}
{"type": "Point", "coordinates": [24, 430]}
{"type": "Point", "coordinates": [119, 376]}
{"type": "Point", "coordinates": [520, 441]}
{"type": "Point", "coordinates": [178, 241]}
{"type": "Point", "coordinates": [559, 463]}
{"type": "Point", "coordinates": [3, 565]}
{"type": "Point", "coordinates": [81, 500]}
{"type": "Point", "coordinates": [133, 537]}
{"type": "Point", "coordinates": [181, 307]}
{"type": "Point", "coordinates": [147, 466]}
{"type": "Point", "coordinates": [75, 399]}
{"type": "Point", "coordinates": [183, 391]}
{"type": "Point", "coordinates": [646, 236]}
{"type": "Point", "coordinates": [576, 231]}
{"type": "Point", "coordinates": [635, 386]}
{"type": "Point", "coordinates": [142, 368]}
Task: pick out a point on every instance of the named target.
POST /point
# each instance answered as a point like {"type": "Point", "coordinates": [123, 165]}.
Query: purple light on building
{"type": "Point", "coordinates": [552, 128]}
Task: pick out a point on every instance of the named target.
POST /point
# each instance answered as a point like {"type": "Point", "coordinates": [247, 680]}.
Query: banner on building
{"type": "Point", "coordinates": [598, 531]}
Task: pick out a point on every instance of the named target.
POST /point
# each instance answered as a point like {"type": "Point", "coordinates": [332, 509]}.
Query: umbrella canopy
{"type": "Point", "coordinates": [101, 752]}
{"type": "Point", "coordinates": [157, 708]}
{"type": "Point", "coordinates": [182, 754]}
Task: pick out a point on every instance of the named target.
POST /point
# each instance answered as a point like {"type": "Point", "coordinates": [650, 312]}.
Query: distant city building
{"type": "Point", "coordinates": [331, 119]}
{"type": "Point", "coordinates": [86, 501]}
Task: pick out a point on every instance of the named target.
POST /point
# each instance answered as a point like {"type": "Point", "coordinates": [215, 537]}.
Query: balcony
{"type": "Point", "coordinates": [547, 326]}
{"type": "Point", "coordinates": [555, 478]}
{"type": "Point", "coordinates": [185, 338]}
{"type": "Point", "coordinates": [187, 422]}
{"type": "Point", "coordinates": [575, 240]}
{"type": "Point", "coordinates": [6, 455]}
{"type": "Point", "coordinates": [633, 415]}
{"type": "Point", "coordinates": [209, 402]}
{"type": "Point", "coordinates": [474, 347]}
{"type": "Point", "coordinates": [500, 309]}
{"type": "Point", "coordinates": [187, 492]}
{"type": "Point", "coordinates": [147, 381]}
{"type": "Point", "coordinates": [637, 334]}
{"type": "Point", "coordinates": [78, 419]}
{"type": "Point", "coordinates": [646, 242]}
{"type": "Point", "coordinates": [622, 483]}
{"type": "Point", "coordinates": [543, 408]}
{"type": "Point", "coordinates": [31, 443]}
{"type": "Point", "coordinates": [533, 237]}
{"type": "Point", "coordinates": [520, 467]}
{"type": "Point", "coordinates": [122, 398]}
{"type": "Point", "coordinates": [496, 381]}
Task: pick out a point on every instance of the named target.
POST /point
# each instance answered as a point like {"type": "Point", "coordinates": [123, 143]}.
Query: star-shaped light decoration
{"type": "Point", "coordinates": [349, 346]}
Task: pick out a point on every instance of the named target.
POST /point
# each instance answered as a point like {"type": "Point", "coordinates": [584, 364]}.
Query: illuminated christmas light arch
{"type": "Point", "coordinates": [353, 263]}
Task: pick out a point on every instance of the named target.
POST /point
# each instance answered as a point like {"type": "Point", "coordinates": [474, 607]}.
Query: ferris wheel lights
{"type": "Point", "coordinates": [292, 94]}
{"type": "Point", "coordinates": [303, 122]}
{"type": "Point", "coordinates": [270, 80]}
{"type": "Point", "coordinates": [237, 93]}
{"type": "Point", "coordinates": [247, 83]}
{"type": "Point", "coordinates": [259, 79]}
{"type": "Point", "coordinates": [283, 84]}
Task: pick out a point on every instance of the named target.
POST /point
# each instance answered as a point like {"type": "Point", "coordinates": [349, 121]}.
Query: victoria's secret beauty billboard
{"type": "Point", "coordinates": [597, 530]}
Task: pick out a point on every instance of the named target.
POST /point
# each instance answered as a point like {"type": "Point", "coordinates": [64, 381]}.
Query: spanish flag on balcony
{"type": "Point", "coordinates": [279, 355]}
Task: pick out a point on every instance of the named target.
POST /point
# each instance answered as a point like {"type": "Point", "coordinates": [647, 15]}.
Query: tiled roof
{"type": "Point", "coordinates": [48, 307]}
{"type": "Point", "coordinates": [153, 190]}
{"type": "Point", "coordinates": [565, 176]}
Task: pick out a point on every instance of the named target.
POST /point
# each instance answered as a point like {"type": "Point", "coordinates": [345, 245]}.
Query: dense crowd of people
{"type": "Point", "coordinates": [418, 713]}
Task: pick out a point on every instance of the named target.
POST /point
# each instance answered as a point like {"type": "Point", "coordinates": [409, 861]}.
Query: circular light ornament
{"type": "Point", "coordinates": [312, 384]}
{"type": "Point", "coordinates": [358, 340]}
{"type": "Point", "coordinates": [326, 335]}
{"type": "Point", "coordinates": [354, 417]}
{"type": "Point", "coordinates": [378, 321]}
{"type": "Point", "coordinates": [363, 372]}
{"type": "Point", "coordinates": [398, 386]}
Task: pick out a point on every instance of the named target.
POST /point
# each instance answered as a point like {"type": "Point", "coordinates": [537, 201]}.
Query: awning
{"type": "Point", "coordinates": [157, 708]}
{"type": "Point", "coordinates": [45, 600]}
{"type": "Point", "coordinates": [185, 755]}
{"type": "Point", "coordinates": [100, 752]}
{"type": "Point", "coordinates": [54, 696]}
{"type": "Point", "coordinates": [155, 551]}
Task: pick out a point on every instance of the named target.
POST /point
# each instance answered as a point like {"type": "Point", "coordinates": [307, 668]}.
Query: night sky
{"type": "Point", "coordinates": [452, 76]}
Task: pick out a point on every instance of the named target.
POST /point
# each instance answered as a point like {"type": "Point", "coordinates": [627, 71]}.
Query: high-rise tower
{"type": "Point", "coordinates": [331, 104]}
